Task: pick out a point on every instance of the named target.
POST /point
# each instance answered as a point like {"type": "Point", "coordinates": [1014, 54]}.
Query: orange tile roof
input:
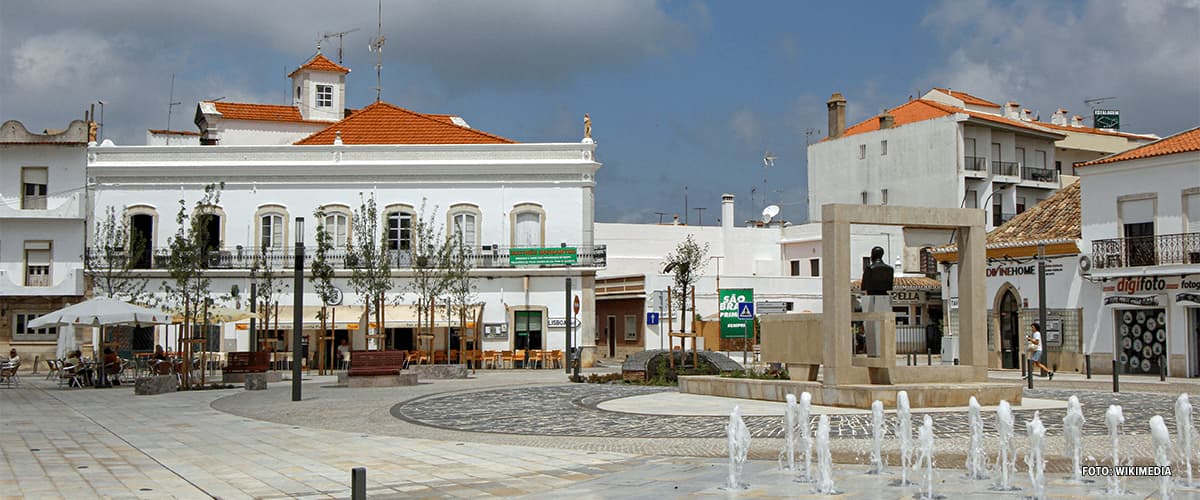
{"type": "Point", "coordinates": [1097, 131]}
{"type": "Point", "coordinates": [171, 132]}
{"type": "Point", "coordinates": [321, 63]}
{"type": "Point", "coordinates": [1182, 142]}
{"type": "Point", "coordinates": [383, 123]}
{"type": "Point", "coordinates": [906, 283]}
{"type": "Point", "coordinates": [441, 117]}
{"type": "Point", "coordinates": [1056, 218]}
{"type": "Point", "coordinates": [967, 98]}
{"type": "Point", "coordinates": [259, 112]}
{"type": "Point", "coordinates": [923, 109]}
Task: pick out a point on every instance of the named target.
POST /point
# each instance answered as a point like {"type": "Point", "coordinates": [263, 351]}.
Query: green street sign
{"type": "Point", "coordinates": [559, 256]}
{"type": "Point", "coordinates": [733, 301]}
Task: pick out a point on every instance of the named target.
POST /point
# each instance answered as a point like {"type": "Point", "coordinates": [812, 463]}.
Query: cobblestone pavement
{"type": "Point", "coordinates": [571, 410]}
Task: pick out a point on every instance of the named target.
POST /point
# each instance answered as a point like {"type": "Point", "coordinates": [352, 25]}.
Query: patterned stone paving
{"type": "Point", "coordinates": [571, 410]}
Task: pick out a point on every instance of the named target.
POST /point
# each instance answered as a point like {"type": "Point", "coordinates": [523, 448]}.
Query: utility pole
{"type": "Point", "coordinates": [297, 308]}
{"type": "Point", "coordinates": [699, 215]}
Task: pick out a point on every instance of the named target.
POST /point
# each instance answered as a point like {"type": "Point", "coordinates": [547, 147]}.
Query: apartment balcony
{"type": "Point", "coordinates": [18, 284]}
{"type": "Point", "coordinates": [975, 166]}
{"type": "Point", "coordinates": [1163, 249]}
{"type": "Point", "coordinates": [66, 207]}
{"type": "Point", "coordinates": [1006, 171]}
{"type": "Point", "coordinates": [1039, 177]}
{"type": "Point", "coordinates": [488, 257]}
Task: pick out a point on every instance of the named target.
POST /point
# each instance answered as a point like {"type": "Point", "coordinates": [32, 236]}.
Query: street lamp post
{"type": "Point", "coordinates": [297, 308]}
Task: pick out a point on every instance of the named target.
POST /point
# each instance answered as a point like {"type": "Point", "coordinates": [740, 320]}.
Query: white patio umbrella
{"type": "Point", "coordinates": [97, 312]}
{"type": "Point", "coordinates": [66, 342]}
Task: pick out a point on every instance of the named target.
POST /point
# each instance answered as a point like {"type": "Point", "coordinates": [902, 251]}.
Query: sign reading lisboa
{"type": "Point", "coordinates": [563, 256]}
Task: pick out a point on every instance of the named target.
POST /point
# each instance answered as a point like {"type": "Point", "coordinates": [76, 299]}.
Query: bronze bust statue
{"type": "Point", "coordinates": [877, 276]}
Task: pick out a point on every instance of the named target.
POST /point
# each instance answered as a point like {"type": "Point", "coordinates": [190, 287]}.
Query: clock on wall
{"type": "Point", "coordinates": [1107, 118]}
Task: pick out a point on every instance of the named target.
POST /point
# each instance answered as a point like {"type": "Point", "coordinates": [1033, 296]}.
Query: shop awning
{"type": "Point", "coordinates": [347, 317]}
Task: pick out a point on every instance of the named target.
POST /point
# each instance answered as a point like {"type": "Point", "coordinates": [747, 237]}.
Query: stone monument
{"type": "Point", "coordinates": [877, 280]}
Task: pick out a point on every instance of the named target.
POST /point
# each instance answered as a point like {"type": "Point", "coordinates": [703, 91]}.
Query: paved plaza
{"type": "Point", "coordinates": [506, 433]}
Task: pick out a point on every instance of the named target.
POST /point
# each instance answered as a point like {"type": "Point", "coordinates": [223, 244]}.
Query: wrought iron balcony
{"type": "Point", "coordinates": [1163, 249]}
{"type": "Point", "coordinates": [487, 257]}
{"type": "Point", "coordinates": [1005, 168]}
{"type": "Point", "coordinates": [1039, 174]}
{"type": "Point", "coordinates": [975, 163]}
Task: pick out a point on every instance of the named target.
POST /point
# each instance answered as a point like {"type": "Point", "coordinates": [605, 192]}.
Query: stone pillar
{"type": "Point", "coordinates": [587, 320]}
{"type": "Point", "coordinates": [256, 381]}
{"type": "Point", "coordinates": [972, 299]}
{"type": "Point", "coordinates": [835, 287]}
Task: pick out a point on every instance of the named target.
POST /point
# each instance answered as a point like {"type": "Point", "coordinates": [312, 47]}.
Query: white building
{"type": "Point", "coordinates": [42, 226]}
{"type": "Point", "coordinates": [502, 194]}
{"type": "Point", "coordinates": [1141, 225]}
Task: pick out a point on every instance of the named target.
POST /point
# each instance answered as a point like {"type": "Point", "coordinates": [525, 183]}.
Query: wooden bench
{"type": "Point", "coordinates": [372, 363]}
{"type": "Point", "coordinates": [248, 362]}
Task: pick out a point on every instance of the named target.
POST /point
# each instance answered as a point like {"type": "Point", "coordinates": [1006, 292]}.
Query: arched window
{"type": "Point", "coordinates": [337, 223]}
{"type": "Point", "coordinates": [464, 219]}
{"type": "Point", "coordinates": [142, 221]}
{"type": "Point", "coordinates": [271, 221]}
{"type": "Point", "coordinates": [399, 224]}
{"type": "Point", "coordinates": [528, 225]}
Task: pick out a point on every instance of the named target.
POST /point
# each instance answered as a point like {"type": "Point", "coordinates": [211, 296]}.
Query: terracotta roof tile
{"type": "Point", "coordinates": [1097, 131]}
{"type": "Point", "coordinates": [1055, 218]}
{"type": "Point", "coordinates": [923, 109]}
{"type": "Point", "coordinates": [383, 123]}
{"type": "Point", "coordinates": [171, 132]}
{"type": "Point", "coordinates": [1182, 142]}
{"type": "Point", "coordinates": [907, 283]}
{"type": "Point", "coordinates": [967, 98]}
{"type": "Point", "coordinates": [259, 112]}
{"type": "Point", "coordinates": [321, 63]}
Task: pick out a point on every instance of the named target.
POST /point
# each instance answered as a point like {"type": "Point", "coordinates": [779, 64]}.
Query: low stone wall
{"type": "Point", "coordinates": [155, 384]}
{"type": "Point", "coordinates": [237, 378]}
{"type": "Point", "coordinates": [256, 381]}
{"type": "Point", "coordinates": [636, 365]}
{"type": "Point", "coordinates": [404, 378]}
{"type": "Point", "coordinates": [439, 371]}
{"type": "Point", "coordinates": [852, 396]}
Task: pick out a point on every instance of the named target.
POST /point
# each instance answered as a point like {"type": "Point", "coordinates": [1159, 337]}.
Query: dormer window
{"type": "Point", "coordinates": [324, 96]}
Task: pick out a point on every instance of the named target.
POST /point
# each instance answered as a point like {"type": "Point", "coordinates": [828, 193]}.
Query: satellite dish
{"type": "Point", "coordinates": [769, 212]}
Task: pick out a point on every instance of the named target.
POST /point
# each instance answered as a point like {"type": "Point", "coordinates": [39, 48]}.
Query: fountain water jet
{"type": "Point", "coordinates": [1036, 459]}
{"type": "Point", "coordinates": [1113, 418]}
{"type": "Point", "coordinates": [877, 433]}
{"type": "Point", "coordinates": [925, 445]}
{"type": "Point", "coordinates": [1006, 459]}
{"type": "Point", "coordinates": [824, 459]}
{"type": "Point", "coordinates": [739, 445]}
{"type": "Point", "coordinates": [806, 441]}
{"type": "Point", "coordinates": [1162, 453]}
{"type": "Point", "coordinates": [976, 457]}
{"type": "Point", "coordinates": [788, 459]}
{"type": "Point", "coordinates": [1187, 433]}
{"type": "Point", "coordinates": [904, 434]}
{"type": "Point", "coordinates": [1073, 434]}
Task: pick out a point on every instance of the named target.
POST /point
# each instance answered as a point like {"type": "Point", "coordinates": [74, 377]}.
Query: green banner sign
{"type": "Point", "coordinates": [737, 313]}
{"type": "Point", "coordinates": [562, 256]}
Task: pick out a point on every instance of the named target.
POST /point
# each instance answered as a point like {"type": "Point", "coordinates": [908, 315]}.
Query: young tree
{"type": "Point", "coordinates": [686, 263]}
{"type": "Point", "coordinates": [269, 286]}
{"type": "Point", "coordinates": [322, 280]}
{"type": "Point", "coordinates": [189, 285]}
{"type": "Point", "coordinates": [110, 260]}
{"type": "Point", "coordinates": [428, 266]}
{"type": "Point", "coordinates": [370, 260]}
{"type": "Point", "coordinates": [460, 285]}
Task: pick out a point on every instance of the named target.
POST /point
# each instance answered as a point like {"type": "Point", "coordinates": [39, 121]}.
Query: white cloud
{"type": "Point", "coordinates": [1047, 55]}
{"type": "Point", "coordinates": [745, 125]}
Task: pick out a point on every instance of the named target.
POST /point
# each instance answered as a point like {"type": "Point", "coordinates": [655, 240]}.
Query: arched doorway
{"type": "Point", "coordinates": [1010, 330]}
{"type": "Point", "coordinates": [142, 239]}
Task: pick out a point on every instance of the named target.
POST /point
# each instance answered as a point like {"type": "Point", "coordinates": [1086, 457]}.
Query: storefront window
{"type": "Point", "coordinates": [528, 330]}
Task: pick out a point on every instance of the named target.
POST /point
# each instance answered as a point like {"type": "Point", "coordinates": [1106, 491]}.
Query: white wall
{"type": "Point", "coordinates": [247, 132]}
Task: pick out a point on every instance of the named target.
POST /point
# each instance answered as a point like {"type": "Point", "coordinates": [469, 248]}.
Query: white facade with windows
{"type": "Point", "coordinates": [1141, 231]}
{"type": "Point", "coordinates": [499, 196]}
{"type": "Point", "coordinates": [42, 223]}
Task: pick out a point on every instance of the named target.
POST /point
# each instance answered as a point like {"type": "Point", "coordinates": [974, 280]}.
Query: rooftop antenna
{"type": "Point", "coordinates": [171, 103]}
{"type": "Point", "coordinates": [377, 47]}
{"type": "Point", "coordinates": [339, 35]}
{"type": "Point", "coordinates": [1091, 103]}
{"type": "Point", "coordinates": [660, 216]}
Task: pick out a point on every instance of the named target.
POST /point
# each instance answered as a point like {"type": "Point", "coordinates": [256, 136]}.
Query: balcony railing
{"type": "Point", "coordinates": [1039, 174]}
{"type": "Point", "coordinates": [283, 258]}
{"type": "Point", "coordinates": [975, 163]}
{"type": "Point", "coordinates": [37, 280]}
{"type": "Point", "coordinates": [1007, 168]}
{"type": "Point", "coordinates": [1163, 249]}
{"type": "Point", "coordinates": [33, 202]}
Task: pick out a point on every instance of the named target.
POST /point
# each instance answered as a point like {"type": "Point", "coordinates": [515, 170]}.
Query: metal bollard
{"type": "Point", "coordinates": [358, 483]}
{"type": "Point", "coordinates": [1116, 377]}
{"type": "Point", "coordinates": [929, 357]}
{"type": "Point", "coordinates": [1029, 370]}
{"type": "Point", "coordinates": [1162, 368]}
{"type": "Point", "coordinates": [955, 361]}
{"type": "Point", "coordinates": [1024, 372]}
{"type": "Point", "coordinates": [1087, 365]}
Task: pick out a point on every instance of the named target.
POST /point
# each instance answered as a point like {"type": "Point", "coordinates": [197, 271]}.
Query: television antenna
{"type": "Point", "coordinates": [339, 35]}
{"type": "Point", "coordinates": [171, 103]}
{"type": "Point", "coordinates": [1091, 103]}
{"type": "Point", "coordinates": [377, 47]}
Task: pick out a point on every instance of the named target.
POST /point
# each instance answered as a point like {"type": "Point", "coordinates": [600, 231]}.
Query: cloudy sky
{"type": "Point", "coordinates": [685, 96]}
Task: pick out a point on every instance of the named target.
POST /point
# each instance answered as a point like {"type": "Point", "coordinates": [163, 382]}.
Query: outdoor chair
{"type": "Point", "coordinates": [413, 358]}
{"type": "Point", "coordinates": [535, 359]}
{"type": "Point", "coordinates": [558, 358]}
{"type": "Point", "coordinates": [69, 375]}
{"type": "Point", "coordinates": [52, 366]}
{"type": "Point", "coordinates": [8, 374]}
{"type": "Point", "coordinates": [518, 355]}
{"type": "Point", "coordinates": [489, 359]}
{"type": "Point", "coordinates": [439, 357]}
{"type": "Point", "coordinates": [506, 357]}
{"type": "Point", "coordinates": [453, 356]}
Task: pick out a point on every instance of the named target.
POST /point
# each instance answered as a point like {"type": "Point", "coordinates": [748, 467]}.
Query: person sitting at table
{"type": "Point", "coordinates": [8, 369]}
{"type": "Point", "coordinates": [112, 366]}
{"type": "Point", "coordinates": [13, 358]}
{"type": "Point", "coordinates": [75, 363]}
{"type": "Point", "coordinates": [160, 363]}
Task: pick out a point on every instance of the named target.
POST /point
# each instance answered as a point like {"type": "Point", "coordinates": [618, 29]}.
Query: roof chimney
{"type": "Point", "coordinates": [1077, 121]}
{"type": "Point", "coordinates": [727, 211]}
{"type": "Point", "coordinates": [837, 115]}
{"type": "Point", "coordinates": [886, 120]}
{"type": "Point", "coordinates": [1059, 117]}
{"type": "Point", "coordinates": [1012, 110]}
